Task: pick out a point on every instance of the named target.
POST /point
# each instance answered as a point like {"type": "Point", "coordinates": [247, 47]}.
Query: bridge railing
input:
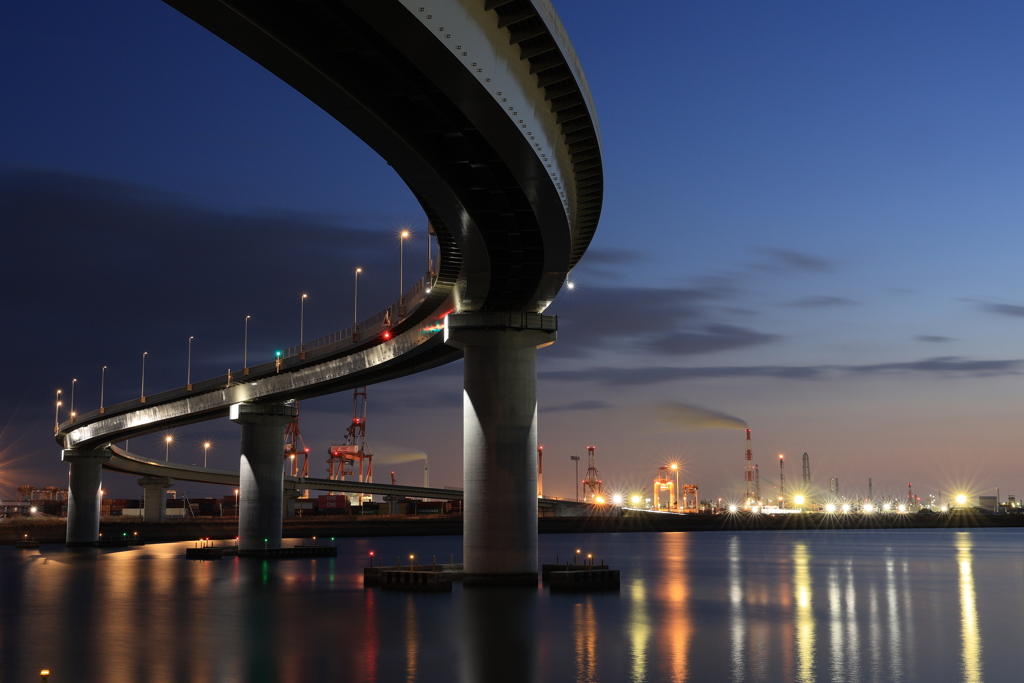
{"type": "Point", "coordinates": [368, 328]}
{"type": "Point", "coordinates": [371, 326]}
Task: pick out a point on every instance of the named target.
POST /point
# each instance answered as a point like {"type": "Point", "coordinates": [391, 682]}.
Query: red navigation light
{"type": "Point", "coordinates": [386, 335]}
{"type": "Point", "coordinates": [306, 449]}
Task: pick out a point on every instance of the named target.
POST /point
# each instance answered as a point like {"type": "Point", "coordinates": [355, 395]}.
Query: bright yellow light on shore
{"type": "Point", "coordinates": [733, 508]}
{"type": "Point", "coordinates": [830, 508]}
{"type": "Point", "coordinates": [902, 508]}
{"type": "Point", "coordinates": [961, 499]}
{"type": "Point", "coordinates": [636, 500]}
{"type": "Point", "coordinates": [599, 500]}
{"type": "Point", "coordinates": [869, 508]}
{"type": "Point", "coordinates": [617, 499]}
{"type": "Point", "coordinates": [675, 466]}
{"type": "Point", "coordinates": [846, 507]}
{"type": "Point", "coordinates": [798, 499]}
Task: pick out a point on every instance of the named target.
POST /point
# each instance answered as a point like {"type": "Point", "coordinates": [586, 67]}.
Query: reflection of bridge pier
{"type": "Point", "coordinates": [500, 441]}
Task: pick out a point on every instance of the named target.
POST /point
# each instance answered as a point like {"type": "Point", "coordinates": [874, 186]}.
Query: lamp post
{"type": "Point", "coordinates": [576, 459]}
{"type": "Point", "coordinates": [206, 451]}
{"type": "Point", "coordinates": [302, 319]}
{"type": "Point", "coordinates": [401, 268]}
{"type": "Point", "coordinates": [103, 380]}
{"type": "Point", "coordinates": [236, 502]}
{"type": "Point", "coordinates": [675, 468]}
{"type": "Point", "coordinates": [355, 307]}
{"type": "Point", "coordinates": [245, 347]}
{"type": "Point", "coordinates": [430, 264]}
{"type": "Point", "coordinates": [56, 412]}
{"type": "Point", "coordinates": [73, 383]}
{"type": "Point", "coordinates": [142, 396]}
{"type": "Point", "coordinates": [167, 447]}
{"type": "Point", "coordinates": [188, 374]}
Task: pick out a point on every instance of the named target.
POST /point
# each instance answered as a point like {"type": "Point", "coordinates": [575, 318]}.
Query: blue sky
{"type": "Point", "coordinates": [812, 222]}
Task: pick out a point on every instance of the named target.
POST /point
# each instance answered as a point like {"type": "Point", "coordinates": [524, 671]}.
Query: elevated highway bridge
{"type": "Point", "coordinates": [482, 108]}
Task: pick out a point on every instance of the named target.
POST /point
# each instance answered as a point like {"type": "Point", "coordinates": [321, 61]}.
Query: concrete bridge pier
{"type": "Point", "coordinates": [261, 475]}
{"type": "Point", "coordinates": [291, 494]}
{"type": "Point", "coordinates": [85, 480]}
{"type": "Point", "coordinates": [154, 506]}
{"type": "Point", "coordinates": [500, 442]}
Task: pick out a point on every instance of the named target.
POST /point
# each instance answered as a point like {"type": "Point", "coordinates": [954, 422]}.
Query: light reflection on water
{"type": "Point", "coordinates": [750, 606]}
{"type": "Point", "coordinates": [970, 636]}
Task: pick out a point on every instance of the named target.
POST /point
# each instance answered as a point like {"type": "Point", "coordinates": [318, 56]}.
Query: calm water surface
{"type": "Point", "coordinates": [920, 605]}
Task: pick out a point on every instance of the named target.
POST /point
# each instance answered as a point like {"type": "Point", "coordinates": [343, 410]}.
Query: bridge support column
{"type": "Point", "coordinates": [261, 474]}
{"type": "Point", "coordinates": [85, 479]}
{"type": "Point", "coordinates": [154, 506]}
{"type": "Point", "coordinates": [291, 494]}
{"type": "Point", "coordinates": [500, 442]}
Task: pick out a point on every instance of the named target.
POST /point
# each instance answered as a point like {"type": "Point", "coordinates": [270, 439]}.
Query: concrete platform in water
{"type": "Point", "coordinates": [372, 576]}
{"type": "Point", "coordinates": [418, 581]}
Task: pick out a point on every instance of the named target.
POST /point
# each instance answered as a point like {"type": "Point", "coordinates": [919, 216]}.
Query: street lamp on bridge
{"type": "Point", "coordinates": [576, 459]}
{"type": "Point", "coordinates": [206, 451]}
{"type": "Point", "coordinates": [167, 447]}
{"type": "Point", "coordinates": [401, 267]}
{"type": "Point", "coordinates": [355, 307]}
{"type": "Point", "coordinates": [188, 374]}
{"type": "Point", "coordinates": [142, 396]}
{"type": "Point", "coordinates": [302, 318]}
{"type": "Point", "coordinates": [103, 380]}
{"type": "Point", "coordinates": [245, 347]}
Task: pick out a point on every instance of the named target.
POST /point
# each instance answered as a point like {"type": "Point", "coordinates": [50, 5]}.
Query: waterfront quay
{"type": "Point", "coordinates": [217, 528]}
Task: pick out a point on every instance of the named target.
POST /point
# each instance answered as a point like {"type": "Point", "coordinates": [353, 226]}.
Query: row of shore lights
{"type": "Point", "coordinates": [831, 508]}
{"type": "Point", "coordinates": [403, 236]}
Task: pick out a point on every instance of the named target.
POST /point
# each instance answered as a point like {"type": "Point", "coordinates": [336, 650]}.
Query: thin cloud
{"type": "Point", "coordinates": [931, 338]}
{"type": "Point", "coordinates": [711, 339]}
{"type": "Point", "coordinates": [796, 260]}
{"type": "Point", "coordinates": [822, 302]}
{"type": "Point", "coordinates": [1010, 310]}
{"type": "Point", "coordinates": [945, 366]}
{"type": "Point", "coordinates": [577, 406]}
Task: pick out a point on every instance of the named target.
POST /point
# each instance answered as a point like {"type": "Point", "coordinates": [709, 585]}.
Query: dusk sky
{"type": "Point", "coordinates": [812, 223]}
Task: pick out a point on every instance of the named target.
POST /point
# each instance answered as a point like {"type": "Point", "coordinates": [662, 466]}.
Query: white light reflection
{"type": "Point", "coordinates": [804, 614]}
{"type": "Point", "coordinates": [835, 622]}
{"type": "Point", "coordinates": [850, 623]}
{"type": "Point", "coordinates": [737, 620]}
{"type": "Point", "coordinates": [892, 608]}
{"type": "Point", "coordinates": [639, 632]}
{"type": "Point", "coordinates": [585, 629]}
{"type": "Point", "coordinates": [970, 632]}
{"type": "Point", "coordinates": [875, 629]}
